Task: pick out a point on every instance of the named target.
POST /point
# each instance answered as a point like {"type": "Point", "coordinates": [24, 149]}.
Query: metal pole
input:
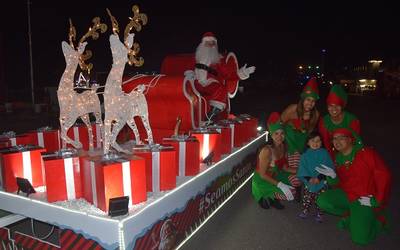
{"type": "Point", "coordinates": [30, 51]}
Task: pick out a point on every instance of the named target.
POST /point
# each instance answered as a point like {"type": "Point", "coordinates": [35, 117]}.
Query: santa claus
{"type": "Point", "coordinates": [211, 72]}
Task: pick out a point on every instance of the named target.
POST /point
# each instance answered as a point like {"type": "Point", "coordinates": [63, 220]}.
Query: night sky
{"type": "Point", "coordinates": [275, 38]}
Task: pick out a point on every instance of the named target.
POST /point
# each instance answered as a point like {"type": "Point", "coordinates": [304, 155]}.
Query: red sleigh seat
{"type": "Point", "coordinates": [170, 95]}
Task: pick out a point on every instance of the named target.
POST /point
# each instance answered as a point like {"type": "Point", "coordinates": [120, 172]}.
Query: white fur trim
{"type": "Point", "coordinates": [219, 105]}
{"type": "Point", "coordinates": [209, 39]}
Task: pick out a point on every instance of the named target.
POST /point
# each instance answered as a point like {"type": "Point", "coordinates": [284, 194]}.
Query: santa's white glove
{"type": "Point", "coordinates": [286, 190]}
{"type": "Point", "coordinates": [327, 171]}
{"type": "Point", "coordinates": [189, 75]}
{"type": "Point", "coordinates": [365, 201]}
{"type": "Point", "coordinates": [244, 72]}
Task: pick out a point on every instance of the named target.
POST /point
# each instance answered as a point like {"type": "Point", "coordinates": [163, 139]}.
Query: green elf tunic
{"type": "Point", "coordinates": [326, 127]}
{"type": "Point", "coordinates": [296, 135]}
{"type": "Point", "coordinates": [361, 173]}
{"type": "Point", "coordinates": [264, 189]}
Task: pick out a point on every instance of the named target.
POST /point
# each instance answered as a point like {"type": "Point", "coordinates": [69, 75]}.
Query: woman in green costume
{"type": "Point", "coordinates": [273, 180]}
{"type": "Point", "coordinates": [300, 120]}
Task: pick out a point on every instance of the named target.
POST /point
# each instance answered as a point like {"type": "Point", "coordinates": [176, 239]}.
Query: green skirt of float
{"type": "Point", "coordinates": [263, 189]}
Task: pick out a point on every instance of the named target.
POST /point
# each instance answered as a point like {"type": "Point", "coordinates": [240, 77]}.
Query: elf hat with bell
{"type": "Point", "coordinates": [337, 95]}
{"type": "Point", "coordinates": [311, 89]}
{"type": "Point", "coordinates": [274, 122]}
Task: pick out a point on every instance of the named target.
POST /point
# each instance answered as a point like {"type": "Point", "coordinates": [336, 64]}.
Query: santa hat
{"type": "Point", "coordinates": [274, 122]}
{"type": "Point", "coordinates": [343, 131]}
{"type": "Point", "coordinates": [337, 95]}
{"type": "Point", "coordinates": [311, 89]}
{"type": "Point", "coordinates": [209, 36]}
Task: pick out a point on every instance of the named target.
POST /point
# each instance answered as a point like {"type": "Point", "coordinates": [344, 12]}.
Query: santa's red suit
{"type": "Point", "coordinates": [212, 71]}
{"type": "Point", "coordinates": [214, 90]}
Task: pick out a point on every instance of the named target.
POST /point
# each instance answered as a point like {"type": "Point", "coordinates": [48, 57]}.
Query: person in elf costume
{"type": "Point", "coordinates": [273, 180]}
{"type": "Point", "coordinates": [300, 120]}
{"type": "Point", "coordinates": [337, 117]}
{"type": "Point", "coordinates": [314, 182]}
{"type": "Point", "coordinates": [361, 187]}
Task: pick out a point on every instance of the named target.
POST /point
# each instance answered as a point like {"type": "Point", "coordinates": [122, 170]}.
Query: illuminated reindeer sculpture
{"type": "Point", "coordinates": [72, 104]}
{"type": "Point", "coordinates": [121, 107]}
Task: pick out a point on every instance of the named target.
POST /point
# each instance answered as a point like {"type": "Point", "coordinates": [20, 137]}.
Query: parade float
{"type": "Point", "coordinates": [146, 178]}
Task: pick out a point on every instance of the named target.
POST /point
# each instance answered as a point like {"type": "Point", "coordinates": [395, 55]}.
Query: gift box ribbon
{"type": "Point", "coordinates": [69, 178]}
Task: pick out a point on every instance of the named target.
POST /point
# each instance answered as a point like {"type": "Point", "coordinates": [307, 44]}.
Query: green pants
{"type": "Point", "coordinates": [263, 189]}
{"type": "Point", "coordinates": [361, 222]}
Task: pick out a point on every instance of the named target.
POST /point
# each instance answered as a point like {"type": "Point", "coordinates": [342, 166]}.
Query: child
{"type": "Point", "coordinates": [314, 183]}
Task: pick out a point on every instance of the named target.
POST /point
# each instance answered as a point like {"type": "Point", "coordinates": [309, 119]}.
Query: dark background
{"type": "Point", "coordinates": [275, 36]}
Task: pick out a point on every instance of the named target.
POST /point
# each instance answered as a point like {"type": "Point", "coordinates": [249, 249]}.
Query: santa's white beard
{"type": "Point", "coordinates": [207, 55]}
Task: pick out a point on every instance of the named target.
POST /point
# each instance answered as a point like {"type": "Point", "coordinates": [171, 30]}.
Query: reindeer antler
{"type": "Point", "coordinates": [113, 22]}
{"type": "Point", "coordinates": [92, 32]}
{"type": "Point", "coordinates": [72, 34]}
{"type": "Point", "coordinates": [135, 23]}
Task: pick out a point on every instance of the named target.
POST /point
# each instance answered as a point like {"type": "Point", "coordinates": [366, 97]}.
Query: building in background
{"type": "Point", "coordinates": [363, 78]}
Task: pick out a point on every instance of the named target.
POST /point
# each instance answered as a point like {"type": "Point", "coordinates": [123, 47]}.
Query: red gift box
{"type": "Point", "coordinates": [81, 133]}
{"type": "Point", "coordinates": [210, 141]}
{"type": "Point", "coordinates": [226, 145]}
{"type": "Point", "coordinates": [250, 125]}
{"type": "Point", "coordinates": [48, 139]}
{"type": "Point", "coordinates": [160, 167]}
{"type": "Point", "coordinates": [24, 162]}
{"type": "Point", "coordinates": [187, 158]}
{"type": "Point", "coordinates": [63, 177]}
{"type": "Point", "coordinates": [106, 179]}
{"type": "Point", "coordinates": [240, 130]}
{"type": "Point", "coordinates": [21, 140]}
{"type": "Point", "coordinates": [5, 142]}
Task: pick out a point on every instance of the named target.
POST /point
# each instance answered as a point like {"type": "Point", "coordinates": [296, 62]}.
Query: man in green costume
{"type": "Point", "coordinates": [361, 188]}
{"type": "Point", "coordinates": [337, 117]}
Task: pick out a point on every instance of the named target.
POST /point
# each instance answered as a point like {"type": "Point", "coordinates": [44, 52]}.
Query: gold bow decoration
{"type": "Point", "coordinates": [93, 32]}
{"type": "Point", "coordinates": [136, 22]}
